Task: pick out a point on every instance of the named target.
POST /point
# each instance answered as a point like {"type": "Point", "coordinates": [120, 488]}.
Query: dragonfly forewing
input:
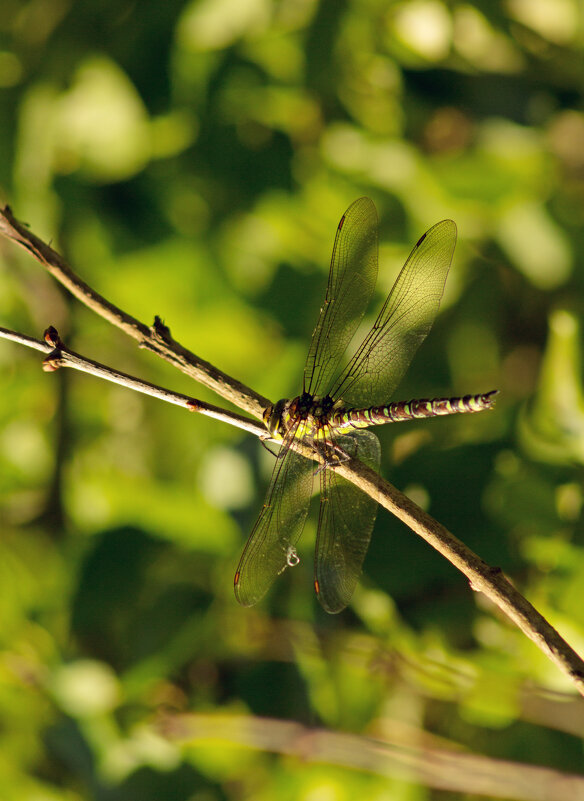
{"type": "Point", "coordinates": [403, 322]}
{"type": "Point", "coordinates": [352, 278]}
{"type": "Point", "coordinates": [345, 524]}
{"type": "Point", "coordinates": [271, 546]}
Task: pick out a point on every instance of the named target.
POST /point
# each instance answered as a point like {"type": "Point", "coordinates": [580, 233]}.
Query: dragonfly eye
{"type": "Point", "coordinates": [273, 416]}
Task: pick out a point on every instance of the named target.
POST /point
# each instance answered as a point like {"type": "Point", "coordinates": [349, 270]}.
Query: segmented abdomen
{"type": "Point", "coordinates": [412, 409]}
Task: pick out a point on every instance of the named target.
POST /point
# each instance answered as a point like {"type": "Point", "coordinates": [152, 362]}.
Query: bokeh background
{"type": "Point", "coordinates": [192, 160]}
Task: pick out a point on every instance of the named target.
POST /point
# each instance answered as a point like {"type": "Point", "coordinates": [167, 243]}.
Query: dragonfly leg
{"type": "Point", "coordinates": [264, 441]}
{"type": "Point", "coordinates": [332, 454]}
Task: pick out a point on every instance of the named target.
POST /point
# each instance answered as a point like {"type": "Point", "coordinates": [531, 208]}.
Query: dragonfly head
{"type": "Point", "coordinates": [273, 418]}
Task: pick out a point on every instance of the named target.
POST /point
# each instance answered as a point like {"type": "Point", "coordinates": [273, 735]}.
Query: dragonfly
{"type": "Point", "coordinates": [335, 408]}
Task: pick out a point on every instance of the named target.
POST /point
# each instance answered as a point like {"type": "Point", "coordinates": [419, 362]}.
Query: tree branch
{"type": "Point", "coordinates": [411, 756]}
{"type": "Point", "coordinates": [482, 577]}
{"type": "Point", "coordinates": [155, 338]}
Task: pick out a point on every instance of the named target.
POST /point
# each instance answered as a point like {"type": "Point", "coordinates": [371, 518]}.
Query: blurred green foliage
{"type": "Point", "coordinates": [191, 160]}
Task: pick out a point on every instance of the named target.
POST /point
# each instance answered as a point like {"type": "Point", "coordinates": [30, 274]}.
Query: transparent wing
{"type": "Point", "coordinates": [278, 527]}
{"type": "Point", "coordinates": [351, 282]}
{"type": "Point", "coordinates": [345, 524]}
{"type": "Point", "coordinates": [406, 317]}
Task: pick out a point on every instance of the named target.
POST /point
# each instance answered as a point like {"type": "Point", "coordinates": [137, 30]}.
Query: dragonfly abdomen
{"type": "Point", "coordinates": [412, 410]}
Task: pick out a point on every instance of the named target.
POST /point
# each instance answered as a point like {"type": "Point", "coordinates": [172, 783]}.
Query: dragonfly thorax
{"type": "Point", "coordinates": [306, 415]}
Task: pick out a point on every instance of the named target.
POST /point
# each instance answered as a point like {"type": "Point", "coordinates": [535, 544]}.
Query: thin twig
{"type": "Point", "coordinates": [482, 577]}
{"type": "Point", "coordinates": [58, 355]}
{"type": "Point", "coordinates": [156, 338]}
